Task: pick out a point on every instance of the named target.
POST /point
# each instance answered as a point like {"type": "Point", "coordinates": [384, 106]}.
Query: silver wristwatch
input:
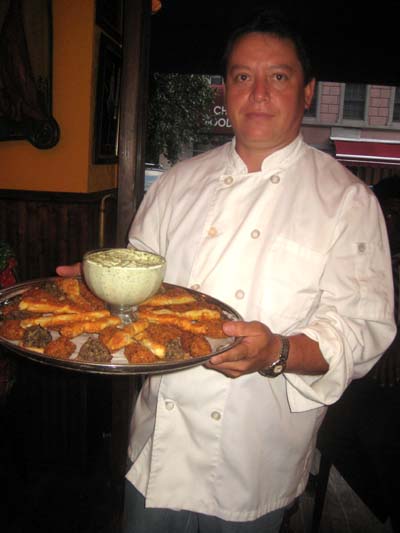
{"type": "Point", "coordinates": [277, 367]}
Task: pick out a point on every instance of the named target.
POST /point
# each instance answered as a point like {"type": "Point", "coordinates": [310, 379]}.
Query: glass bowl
{"type": "Point", "coordinates": [123, 277]}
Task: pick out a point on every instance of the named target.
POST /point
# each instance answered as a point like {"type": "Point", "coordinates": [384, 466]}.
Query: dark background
{"type": "Point", "coordinates": [350, 41]}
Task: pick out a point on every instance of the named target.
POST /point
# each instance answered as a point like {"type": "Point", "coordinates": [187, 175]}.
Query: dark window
{"type": "Point", "coordinates": [355, 96]}
{"type": "Point", "coordinates": [216, 80]}
{"type": "Point", "coordinates": [396, 106]}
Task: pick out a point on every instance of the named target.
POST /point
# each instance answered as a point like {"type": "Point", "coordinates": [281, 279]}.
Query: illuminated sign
{"type": "Point", "coordinates": [220, 122]}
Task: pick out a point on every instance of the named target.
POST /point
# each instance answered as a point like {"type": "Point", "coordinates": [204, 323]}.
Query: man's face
{"type": "Point", "coordinates": [265, 93]}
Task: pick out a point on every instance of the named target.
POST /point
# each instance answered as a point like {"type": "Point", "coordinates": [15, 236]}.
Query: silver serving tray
{"type": "Point", "coordinates": [118, 365]}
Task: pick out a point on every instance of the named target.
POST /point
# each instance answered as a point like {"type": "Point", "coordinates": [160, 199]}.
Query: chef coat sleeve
{"type": "Point", "coordinates": [354, 322]}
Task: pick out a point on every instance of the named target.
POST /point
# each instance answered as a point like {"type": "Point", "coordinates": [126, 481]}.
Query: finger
{"type": "Point", "coordinates": [69, 270]}
{"type": "Point", "coordinates": [239, 328]}
{"type": "Point", "coordinates": [232, 370]}
{"type": "Point", "coordinates": [230, 356]}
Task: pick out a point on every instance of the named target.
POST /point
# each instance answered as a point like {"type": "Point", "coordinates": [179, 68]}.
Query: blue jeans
{"type": "Point", "coordinates": [138, 519]}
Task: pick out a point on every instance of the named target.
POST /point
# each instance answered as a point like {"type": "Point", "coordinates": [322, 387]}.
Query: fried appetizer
{"type": "Point", "coordinates": [94, 301]}
{"type": "Point", "coordinates": [136, 353]}
{"type": "Point", "coordinates": [94, 351]}
{"type": "Point", "coordinates": [116, 338]}
{"type": "Point", "coordinates": [11, 330]}
{"type": "Point", "coordinates": [40, 301]}
{"type": "Point", "coordinates": [214, 329]}
{"type": "Point", "coordinates": [170, 296]}
{"type": "Point", "coordinates": [55, 321]}
{"type": "Point", "coordinates": [193, 311]}
{"type": "Point", "coordinates": [11, 311]}
{"type": "Point", "coordinates": [60, 348]}
{"type": "Point", "coordinates": [163, 340]}
{"type": "Point", "coordinates": [36, 338]}
{"type": "Point", "coordinates": [77, 292]}
{"type": "Point", "coordinates": [91, 326]}
{"type": "Point", "coordinates": [183, 323]}
{"type": "Point", "coordinates": [195, 345]}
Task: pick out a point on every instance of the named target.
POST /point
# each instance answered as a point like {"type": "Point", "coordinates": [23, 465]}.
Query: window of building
{"type": "Point", "coordinates": [396, 105]}
{"type": "Point", "coordinates": [355, 97]}
{"type": "Point", "coordinates": [216, 80]}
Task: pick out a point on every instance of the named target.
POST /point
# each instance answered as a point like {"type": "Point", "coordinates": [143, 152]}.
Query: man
{"type": "Point", "coordinates": [361, 432]}
{"type": "Point", "coordinates": [284, 234]}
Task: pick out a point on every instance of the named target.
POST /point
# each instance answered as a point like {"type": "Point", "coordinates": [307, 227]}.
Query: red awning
{"type": "Point", "coordinates": [367, 152]}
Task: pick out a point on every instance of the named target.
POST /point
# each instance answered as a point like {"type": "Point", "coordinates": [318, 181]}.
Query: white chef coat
{"type": "Point", "coordinates": [300, 246]}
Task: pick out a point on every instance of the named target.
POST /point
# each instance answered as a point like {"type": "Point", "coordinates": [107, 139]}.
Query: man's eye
{"type": "Point", "coordinates": [280, 77]}
{"type": "Point", "coordinates": [242, 77]}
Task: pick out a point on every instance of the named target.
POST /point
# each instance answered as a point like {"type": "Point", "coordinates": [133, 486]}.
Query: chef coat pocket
{"type": "Point", "coordinates": [290, 276]}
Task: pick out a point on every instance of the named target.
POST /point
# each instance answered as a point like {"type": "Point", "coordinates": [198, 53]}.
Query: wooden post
{"type": "Point", "coordinates": [134, 83]}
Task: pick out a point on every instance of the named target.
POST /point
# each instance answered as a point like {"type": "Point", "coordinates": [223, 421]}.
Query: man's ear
{"type": "Point", "coordinates": [309, 93]}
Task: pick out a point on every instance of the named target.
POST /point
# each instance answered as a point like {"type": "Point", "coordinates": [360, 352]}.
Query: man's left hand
{"type": "Point", "coordinates": [258, 348]}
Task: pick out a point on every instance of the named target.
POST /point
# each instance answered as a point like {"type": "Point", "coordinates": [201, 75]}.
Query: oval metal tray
{"type": "Point", "coordinates": [118, 365]}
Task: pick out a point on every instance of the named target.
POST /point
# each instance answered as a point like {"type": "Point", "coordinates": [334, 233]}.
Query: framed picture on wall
{"type": "Point", "coordinates": [106, 118]}
{"type": "Point", "coordinates": [26, 57]}
{"type": "Point", "coordinates": [109, 17]}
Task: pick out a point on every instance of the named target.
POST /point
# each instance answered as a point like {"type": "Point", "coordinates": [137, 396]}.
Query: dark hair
{"type": "Point", "coordinates": [275, 23]}
{"type": "Point", "coordinates": [387, 188]}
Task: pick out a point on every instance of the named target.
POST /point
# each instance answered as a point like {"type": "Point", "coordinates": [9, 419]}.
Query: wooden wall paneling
{"type": "Point", "coordinates": [49, 229]}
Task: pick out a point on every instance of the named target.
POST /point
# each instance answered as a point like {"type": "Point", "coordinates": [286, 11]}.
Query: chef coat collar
{"type": "Point", "coordinates": [275, 162]}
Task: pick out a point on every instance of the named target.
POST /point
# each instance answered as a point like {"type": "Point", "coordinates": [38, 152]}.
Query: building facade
{"type": "Point", "coordinates": [358, 124]}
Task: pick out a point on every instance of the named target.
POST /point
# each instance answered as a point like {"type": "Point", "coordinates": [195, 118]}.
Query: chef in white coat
{"type": "Point", "coordinates": [298, 246]}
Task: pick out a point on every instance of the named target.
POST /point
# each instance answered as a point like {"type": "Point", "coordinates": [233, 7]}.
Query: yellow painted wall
{"type": "Point", "coordinates": [67, 167]}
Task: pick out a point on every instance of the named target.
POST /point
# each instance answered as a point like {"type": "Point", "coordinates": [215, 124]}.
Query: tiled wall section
{"type": "Point", "coordinates": [379, 105]}
{"type": "Point", "coordinates": [329, 102]}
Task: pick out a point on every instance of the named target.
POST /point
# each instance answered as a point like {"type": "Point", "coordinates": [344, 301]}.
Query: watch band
{"type": "Point", "coordinates": [277, 367]}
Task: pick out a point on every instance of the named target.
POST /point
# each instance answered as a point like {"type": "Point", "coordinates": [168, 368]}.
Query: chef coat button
{"type": "Point", "coordinates": [275, 179]}
{"type": "Point", "coordinates": [195, 287]}
{"type": "Point", "coordinates": [255, 234]}
{"type": "Point", "coordinates": [228, 180]}
{"type": "Point", "coordinates": [215, 415]}
{"type": "Point", "coordinates": [239, 294]}
{"type": "Point", "coordinates": [362, 247]}
{"type": "Point", "coordinates": [169, 405]}
{"type": "Point", "coordinates": [212, 232]}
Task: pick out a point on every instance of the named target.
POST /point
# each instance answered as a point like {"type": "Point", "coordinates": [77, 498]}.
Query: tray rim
{"type": "Point", "coordinates": [127, 369]}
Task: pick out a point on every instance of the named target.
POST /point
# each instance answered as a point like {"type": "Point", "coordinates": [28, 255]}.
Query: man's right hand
{"type": "Point", "coordinates": [67, 271]}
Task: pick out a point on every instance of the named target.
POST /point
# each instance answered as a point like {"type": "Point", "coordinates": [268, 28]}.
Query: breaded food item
{"type": "Point", "coordinates": [193, 311]}
{"type": "Point", "coordinates": [116, 338]}
{"type": "Point", "coordinates": [170, 296]}
{"type": "Point", "coordinates": [61, 348]}
{"type": "Point", "coordinates": [40, 301]}
{"type": "Point", "coordinates": [94, 351]}
{"type": "Point", "coordinates": [11, 330]}
{"type": "Point", "coordinates": [94, 301]}
{"type": "Point", "coordinates": [36, 338]}
{"type": "Point", "coordinates": [162, 340]}
{"type": "Point", "coordinates": [136, 327]}
{"type": "Point", "coordinates": [55, 321]}
{"type": "Point", "coordinates": [195, 345]}
{"type": "Point", "coordinates": [136, 353]}
{"type": "Point", "coordinates": [214, 329]}
{"type": "Point", "coordinates": [71, 288]}
{"type": "Point", "coordinates": [11, 311]}
{"type": "Point", "coordinates": [76, 291]}
{"type": "Point", "coordinates": [91, 326]}
{"type": "Point", "coordinates": [183, 323]}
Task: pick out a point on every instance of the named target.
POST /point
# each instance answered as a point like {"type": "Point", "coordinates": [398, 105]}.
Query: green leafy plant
{"type": "Point", "coordinates": [180, 106]}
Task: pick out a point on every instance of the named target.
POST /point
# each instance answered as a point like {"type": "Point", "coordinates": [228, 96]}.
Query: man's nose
{"type": "Point", "coordinates": [260, 90]}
